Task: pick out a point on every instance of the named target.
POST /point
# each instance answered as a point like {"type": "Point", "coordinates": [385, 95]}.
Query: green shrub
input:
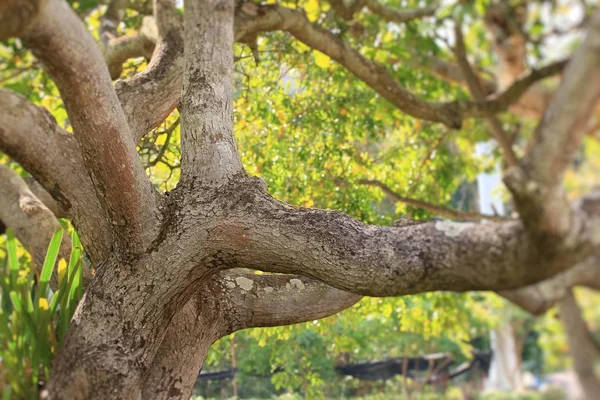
{"type": "Point", "coordinates": [34, 319]}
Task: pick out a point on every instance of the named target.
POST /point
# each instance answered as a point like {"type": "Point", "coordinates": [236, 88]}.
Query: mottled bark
{"type": "Point", "coordinates": [168, 280]}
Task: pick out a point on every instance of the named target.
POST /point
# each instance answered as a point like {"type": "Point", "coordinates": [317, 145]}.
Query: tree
{"type": "Point", "coordinates": [171, 270]}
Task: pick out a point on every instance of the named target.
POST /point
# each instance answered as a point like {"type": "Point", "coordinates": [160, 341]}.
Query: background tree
{"type": "Point", "coordinates": [171, 265]}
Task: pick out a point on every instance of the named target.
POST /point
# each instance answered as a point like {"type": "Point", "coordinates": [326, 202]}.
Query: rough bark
{"type": "Point", "coordinates": [171, 262]}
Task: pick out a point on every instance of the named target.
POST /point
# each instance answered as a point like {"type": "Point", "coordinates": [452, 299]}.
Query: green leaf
{"type": "Point", "coordinates": [49, 262]}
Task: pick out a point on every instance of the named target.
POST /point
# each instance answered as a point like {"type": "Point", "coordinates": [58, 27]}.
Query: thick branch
{"type": "Point", "coordinates": [536, 186]}
{"type": "Point", "coordinates": [17, 16]}
{"type": "Point", "coordinates": [563, 126]}
{"type": "Point", "coordinates": [399, 16]}
{"type": "Point", "coordinates": [274, 300]}
{"type": "Point", "coordinates": [150, 96]}
{"type": "Point", "coordinates": [538, 298]}
{"type": "Point", "coordinates": [228, 302]}
{"type": "Point", "coordinates": [31, 137]}
{"type": "Point", "coordinates": [74, 61]}
{"type": "Point", "coordinates": [33, 223]}
{"type": "Point", "coordinates": [209, 152]}
{"type": "Point", "coordinates": [388, 261]}
{"type": "Point", "coordinates": [435, 209]}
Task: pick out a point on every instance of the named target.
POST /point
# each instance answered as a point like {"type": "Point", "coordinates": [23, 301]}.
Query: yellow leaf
{"type": "Point", "coordinates": [62, 270]}
{"type": "Point", "coordinates": [322, 60]}
{"type": "Point", "coordinates": [309, 203]}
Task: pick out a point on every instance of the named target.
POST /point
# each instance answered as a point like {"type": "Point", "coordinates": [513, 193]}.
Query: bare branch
{"type": "Point", "coordinates": [150, 96]}
{"type": "Point", "coordinates": [209, 152]}
{"type": "Point", "coordinates": [139, 44]}
{"type": "Point", "coordinates": [479, 96]}
{"type": "Point", "coordinates": [31, 137]}
{"type": "Point", "coordinates": [538, 298]}
{"type": "Point", "coordinates": [435, 209]}
{"type": "Point", "coordinates": [231, 301]}
{"type": "Point", "coordinates": [581, 346]}
{"type": "Point", "coordinates": [502, 101]}
{"type": "Point", "coordinates": [274, 300]}
{"type": "Point", "coordinates": [536, 187]}
{"type": "Point", "coordinates": [563, 126]}
{"type": "Point", "coordinates": [400, 16]}
{"type": "Point", "coordinates": [74, 61]}
{"type": "Point", "coordinates": [387, 261]}
{"type": "Point", "coordinates": [33, 223]}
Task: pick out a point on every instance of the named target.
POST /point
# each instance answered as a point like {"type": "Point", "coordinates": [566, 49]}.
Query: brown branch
{"type": "Point", "coordinates": [385, 261]}
{"type": "Point", "coordinates": [275, 300]}
{"type": "Point", "coordinates": [150, 96]}
{"type": "Point", "coordinates": [400, 16]}
{"type": "Point", "coordinates": [435, 209]}
{"type": "Point", "coordinates": [17, 16]}
{"type": "Point", "coordinates": [33, 223]}
{"type": "Point", "coordinates": [139, 44]}
{"type": "Point", "coordinates": [538, 298]}
{"type": "Point", "coordinates": [208, 150]}
{"type": "Point", "coordinates": [561, 130]}
{"type": "Point", "coordinates": [31, 137]}
{"type": "Point", "coordinates": [61, 41]}
{"type": "Point", "coordinates": [581, 346]}
{"type": "Point", "coordinates": [501, 102]}
{"type": "Point", "coordinates": [274, 17]}
{"type": "Point", "coordinates": [479, 96]}
{"type": "Point", "coordinates": [537, 187]}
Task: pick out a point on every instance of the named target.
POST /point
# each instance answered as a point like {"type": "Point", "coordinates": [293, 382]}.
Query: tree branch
{"type": "Point", "coordinates": [274, 17]}
{"type": "Point", "coordinates": [479, 96]}
{"type": "Point", "coordinates": [435, 209]}
{"type": "Point", "coordinates": [581, 346]}
{"type": "Point", "coordinates": [150, 96]}
{"type": "Point", "coordinates": [31, 137]}
{"type": "Point", "coordinates": [228, 302]}
{"type": "Point", "coordinates": [536, 186]}
{"type": "Point", "coordinates": [33, 223]}
{"type": "Point", "coordinates": [60, 40]}
{"type": "Point", "coordinates": [538, 298]}
{"type": "Point", "coordinates": [275, 300]}
{"type": "Point", "coordinates": [209, 152]}
{"type": "Point", "coordinates": [262, 233]}
{"type": "Point", "coordinates": [400, 16]}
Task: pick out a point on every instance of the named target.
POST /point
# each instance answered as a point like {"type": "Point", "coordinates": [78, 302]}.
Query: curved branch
{"type": "Point", "coordinates": [228, 302]}
{"type": "Point", "coordinates": [538, 298]}
{"type": "Point", "coordinates": [479, 95]}
{"type": "Point", "coordinates": [274, 17]}
{"type": "Point", "coordinates": [536, 186]}
{"type": "Point", "coordinates": [275, 300]}
{"type": "Point", "coordinates": [400, 16]}
{"type": "Point", "coordinates": [150, 96]}
{"type": "Point", "coordinates": [139, 44]}
{"type": "Point", "coordinates": [59, 38]}
{"type": "Point", "coordinates": [262, 233]}
{"type": "Point", "coordinates": [31, 137]}
{"type": "Point", "coordinates": [33, 223]}
{"type": "Point", "coordinates": [435, 209]}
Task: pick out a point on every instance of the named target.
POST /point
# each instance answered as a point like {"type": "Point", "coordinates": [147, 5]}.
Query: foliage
{"type": "Point", "coordinates": [34, 319]}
